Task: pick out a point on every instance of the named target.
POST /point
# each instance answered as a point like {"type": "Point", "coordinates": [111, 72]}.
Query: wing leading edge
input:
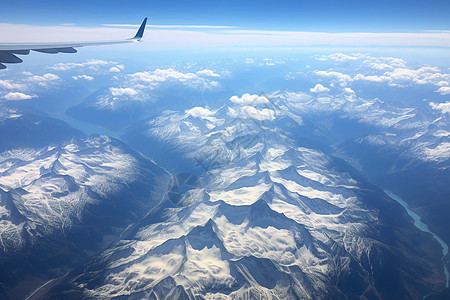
{"type": "Point", "coordinates": [8, 51]}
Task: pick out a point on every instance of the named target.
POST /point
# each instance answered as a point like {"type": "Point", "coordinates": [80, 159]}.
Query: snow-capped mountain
{"type": "Point", "coordinates": [63, 202]}
{"type": "Point", "coordinates": [403, 147]}
{"type": "Point", "coordinates": [422, 132]}
{"type": "Point", "coordinates": [47, 190]}
{"type": "Point", "coordinates": [269, 217]}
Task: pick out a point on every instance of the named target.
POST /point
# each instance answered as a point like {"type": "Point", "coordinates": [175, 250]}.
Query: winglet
{"type": "Point", "coordinates": [140, 32]}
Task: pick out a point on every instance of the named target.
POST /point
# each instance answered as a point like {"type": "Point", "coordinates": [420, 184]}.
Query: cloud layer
{"type": "Point", "coordinates": [175, 36]}
{"type": "Point", "coordinates": [390, 70]}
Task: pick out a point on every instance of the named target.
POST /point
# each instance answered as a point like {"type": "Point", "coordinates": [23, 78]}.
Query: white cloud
{"type": "Point", "coordinates": [207, 73]}
{"type": "Point", "coordinates": [376, 63]}
{"type": "Point", "coordinates": [44, 78]}
{"type": "Point", "coordinates": [85, 77]}
{"type": "Point", "coordinates": [445, 90]}
{"type": "Point", "coordinates": [199, 112]}
{"type": "Point", "coordinates": [404, 76]}
{"type": "Point", "coordinates": [7, 84]}
{"type": "Point", "coordinates": [148, 77]}
{"type": "Point", "coordinates": [349, 90]}
{"type": "Point", "coordinates": [171, 74]}
{"type": "Point", "coordinates": [382, 63]}
{"type": "Point", "coordinates": [158, 76]}
{"type": "Point", "coordinates": [249, 99]}
{"type": "Point", "coordinates": [444, 107]}
{"type": "Point", "coordinates": [319, 89]}
{"type": "Point", "coordinates": [272, 62]}
{"type": "Point", "coordinates": [393, 61]}
{"type": "Point", "coordinates": [442, 83]}
{"type": "Point", "coordinates": [379, 66]}
{"type": "Point", "coordinates": [419, 76]}
{"type": "Point", "coordinates": [93, 64]}
{"type": "Point", "coordinates": [341, 57]}
{"type": "Point", "coordinates": [373, 78]}
{"type": "Point", "coordinates": [332, 74]}
{"type": "Point", "coordinates": [123, 91]}
{"type": "Point", "coordinates": [114, 69]}
{"type": "Point", "coordinates": [254, 113]}
{"type": "Point", "coordinates": [12, 96]}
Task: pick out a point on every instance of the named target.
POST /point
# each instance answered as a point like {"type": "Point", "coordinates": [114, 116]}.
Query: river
{"type": "Point", "coordinates": [422, 226]}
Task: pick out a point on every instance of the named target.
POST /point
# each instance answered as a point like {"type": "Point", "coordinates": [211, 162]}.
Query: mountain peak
{"type": "Point", "coordinates": [204, 236]}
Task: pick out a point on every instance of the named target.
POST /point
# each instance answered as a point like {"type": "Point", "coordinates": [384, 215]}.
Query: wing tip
{"type": "Point", "coordinates": [140, 32]}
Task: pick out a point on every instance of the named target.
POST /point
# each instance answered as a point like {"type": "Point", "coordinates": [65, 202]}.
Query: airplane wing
{"type": "Point", "coordinates": [8, 51]}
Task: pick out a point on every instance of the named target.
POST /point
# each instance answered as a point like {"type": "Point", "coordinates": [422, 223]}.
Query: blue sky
{"type": "Point", "coordinates": [327, 15]}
